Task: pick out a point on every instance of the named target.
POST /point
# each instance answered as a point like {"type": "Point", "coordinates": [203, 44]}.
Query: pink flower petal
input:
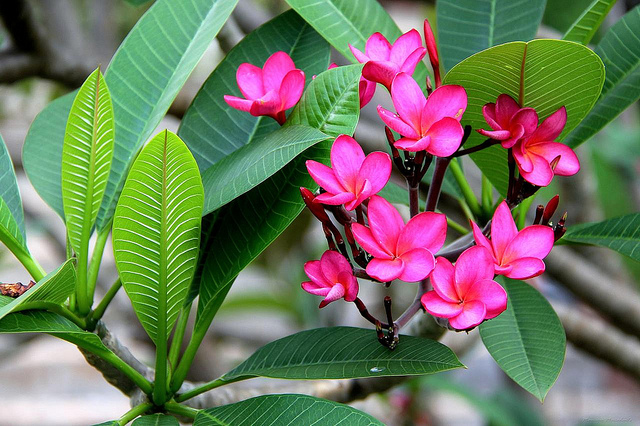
{"type": "Point", "coordinates": [385, 270]}
{"type": "Point", "coordinates": [291, 88]}
{"type": "Point", "coordinates": [365, 238]}
{"type": "Point", "coordinates": [506, 108]}
{"type": "Point", "coordinates": [364, 191]}
{"type": "Point", "coordinates": [376, 168]}
{"type": "Point", "coordinates": [443, 280]}
{"type": "Point", "coordinates": [515, 134]}
{"type": "Point", "coordinates": [522, 157]}
{"type": "Point", "coordinates": [385, 222]}
{"type": "Point", "coordinates": [325, 177]}
{"type": "Point", "coordinates": [250, 81]}
{"type": "Point", "coordinates": [474, 264]}
{"type": "Point", "coordinates": [382, 72]}
{"type": "Point", "coordinates": [446, 136]}
{"type": "Point", "coordinates": [336, 292]}
{"type": "Point", "coordinates": [238, 103]}
{"type": "Point", "coordinates": [527, 118]}
{"type": "Point", "coordinates": [473, 313]}
{"type": "Point", "coordinates": [499, 135]}
{"type": "Point", "coordinates": [332, 263]}
{"type": "Point", "coordinates": [405, 45]}
{"type": "Point", "coordinates": [418, 264]}
{"type": "Point", "coordinates": [551, 127]}
{"type": "Point", "coordinates": [314, 272]}
{"type": "Point", "coordinates": [479, 237]}
{"type": "Point", "coordinates": [503, 230]}
{"type": "Point", "coordinates": [346, 158]}
{"type": "Point", "coordinates": [409, 65]}
{"type": "Point", "coordinates": [446, 101]}
{"type": "Point", "coordinates": [360, 57]}
{"type": "Point", "coordinates": [313, 288]}
{"type": "Point", "coordinates": [525, 268]}
{"type": "Point", "coordinates": [568, 165]}
{"type": "Point", "coordinates": [350, 284]}
{"type": "Point", "coordinates": [397, 124]}
{"type": "Point", "coordinates": [426, 230]}
{"type": "Point", "coordinates": [540, 174]}
{"type": "Point", "coordinates": [270, 104]}
{"type": "Point", "coordinates": [489, 113]}
{"type": "Point", "coordinates": [491, 294]}
{"type": "Point", "coordinates": [438, 307]}
{"type": "Point", "coordinates": [378, 47]}
{"type": "Point", "coordinates": [366, 90]}
{"type": "Point", "coordinates": [413, 145]}
{"type": "Point", "coordinates": [532, 241]}
{"type": "Point", "coordinates": [274, 70]}
{"type": "Point", "coordinates": [334, 199]}
{"type": "Point", "coordinates": [408, 99]}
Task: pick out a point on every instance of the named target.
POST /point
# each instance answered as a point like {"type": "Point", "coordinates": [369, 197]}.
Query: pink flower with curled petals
{"type": "Point", "coordinates": [517, 255]}
{"type": "Point", "coordinates": [354, 177]}
{"type": "Point", "coordinates": [431, 124]}
{"type": "Point", "coordinates": [539, 158]}
{"type": "Point", "coordinates": [270, 90]}
{"type": "Point", "coordinates": [383, 61]}
{"type": "Point", "coordinates": [465, 293]}
{"type": "Point", "coordinates": [508, 120]}
{"type": "Point", "coordinates": [366, 88]}
{"type": "Point", "coordinates": [399, 250]}
{"type": "Point", "coordinates": [331, 277]}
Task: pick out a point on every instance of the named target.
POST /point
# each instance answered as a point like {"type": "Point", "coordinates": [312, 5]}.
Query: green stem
{"type": "Point", "coordinates": [522, 212]}
{"type": "Point", "coordinates": [24, 257]}
{"type": "Point", "coordinates": [466, 210]}
{"type": "Point", "coordinates": [178, 335]}
{"type": "Point", "coordinates": [102, 306]}
{"type": "Point", "coordinates": [202, 389]}
{"type": "Point", "coordinates": [456, 226]}
{"type": "Point", "coordinates": [134, 412]}
{"type": "Point", "coordinates": [82, 293]}
{"type": "Point", "coordinates": [189, 354]}
{"type": "Point", "coordinates": [487, 196]}
{"type": "Point", "coordinates": [127, 370]}
{"type": "Point", "coordinates": [181, 410]}
{"type": "Point", "coordinates": [466, 190]}
{"type": "Point", "coordinates": [96, 258]}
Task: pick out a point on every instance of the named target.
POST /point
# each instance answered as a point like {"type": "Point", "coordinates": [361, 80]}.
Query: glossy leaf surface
{"type": "Point", "coordinates": [621, 234]}
{"type": "Point", "coordinates": [585, 27]}
{"type": "Point", "coordinates": [9, 189]}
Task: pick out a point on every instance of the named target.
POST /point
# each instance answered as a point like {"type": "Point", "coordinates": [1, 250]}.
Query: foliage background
{"type": "Point", "coordinates": [48, 381]}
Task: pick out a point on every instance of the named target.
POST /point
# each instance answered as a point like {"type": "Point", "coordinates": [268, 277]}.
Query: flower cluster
{"type": "Point", "coordinates": [376, 242]}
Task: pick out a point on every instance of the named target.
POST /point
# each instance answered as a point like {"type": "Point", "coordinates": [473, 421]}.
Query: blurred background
{"type": "Point", "coordinates": [48, 47]}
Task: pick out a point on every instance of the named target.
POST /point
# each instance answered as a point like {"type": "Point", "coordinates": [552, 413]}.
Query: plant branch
{"type": "Point", "coordinates": [136, 411]}
{"type": "Point", "coordinates": [436, 183]}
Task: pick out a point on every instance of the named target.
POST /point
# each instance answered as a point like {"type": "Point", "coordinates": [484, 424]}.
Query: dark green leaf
{"type": "Point", "coordinates": [247, 225]}
{"type": "Point", "coordinates": [284, 410]}
{"type": "Point", "coordinates": [344, 22]}
{"type": "Point", "coordinates": [211, 128]}
{"type": "Point", "coordinates": [55, 288]}
{"type": "Point", "coordinates": [466, 27]}
{"type": "Point", "coordinates": [621, 234]}
{"type": "Point", "coordinates": [541, 74]}
{"type": "Point", "coordinates": [252, 164]}
{"type": "Point", "coordinates": [527, 340]}
{"type": "Point", "coordinates": [620, 52]}
{"type": "Point", "coordinates": [585, 27]}
{"type": "Point", "coordinates": [156, 420]}
{"type": "Point", "coordinates": [9, 189]}
{"type": "Point", "coordinates": [343, 353]}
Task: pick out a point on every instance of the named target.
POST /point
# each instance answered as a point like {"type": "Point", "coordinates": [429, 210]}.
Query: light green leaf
{"type": "Point", "coordinates": [252, 164]}
{"type": "Point", "coordinates": [55, 288]}
{"type": "Point", "coordinates": [247, 225]}
{"type": "Point", "coordinates": [527, 340]}
{"type": "Point", "coordinates": [284, 410]}
{"type": "Point", "coordinates": [343, 353]}
{"type": "Point", "coordinates": [466, 27]}
{"type": "Point", "coordinates": [50, 323]}
{"type": "Point", "coordinates": [156, 232]}
{"type": "Point", "coordinates": [86, 158]}
{"type": "Point", "coordinates": [541, 74]}
{"type": "Point", "coordinates": [620, 52]}
{"type": "Point", "coordinates": [9, 189]}
{"type": "Point", "coordinates": [144, 77]}
{"type": "Point", "coordinates": [344, 22]}
{"type": "Point", "coordinates": [10, 234]}
{"type": "Point", "coordinates": [621, 234]}
{"type": "Point", "coordinates": [210, 128]}
{"type": "Point", "coordinates": [156, 420]}
{"type": "Point", "coordinates": [585, 27]}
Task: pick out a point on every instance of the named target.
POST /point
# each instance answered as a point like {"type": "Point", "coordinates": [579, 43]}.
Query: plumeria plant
{"type": "Point", "coordinates": [272, 131]}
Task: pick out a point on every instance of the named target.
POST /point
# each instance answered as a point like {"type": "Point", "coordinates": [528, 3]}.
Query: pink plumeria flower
{"type": "Point", "coordinates": [399, 250]}
{"type": "Point", "coordinates": [539, 158]}
{"type": "Point", "coordinates": [366, 88]}
{"type": "Point", "coordinates": [432, 49]}
{"type": "Point", "coordinates": [331, 277]}
{"type": "Point", "coordinates": [465, 293]}
{"type": "Point", "coordinates": [270, 90]}
{"type": "Point", "coordinates": [508, 121]}
{"type": "Point", "coordinates": [354, 177]}
{"type": "Point", "coordinates": [383, 60]}
{"type": "Point", "coordinates": [426, 124]}
{"type": "Point", "coordinates": [517, 255]}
